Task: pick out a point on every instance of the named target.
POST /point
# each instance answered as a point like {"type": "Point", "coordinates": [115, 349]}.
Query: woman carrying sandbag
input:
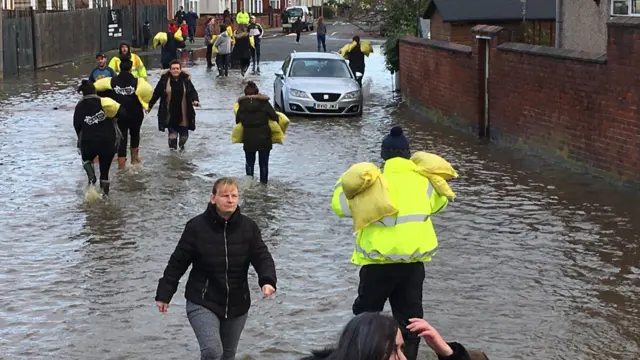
{"type": "Point", "coordinates": [178, 99]}
{"type": "Point", "coordinates": [242, 49]}
{"type": "Point", "coordinates": [254, 113]}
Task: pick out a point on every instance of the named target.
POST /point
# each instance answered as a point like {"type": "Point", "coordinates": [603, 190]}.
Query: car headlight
{"type": "Point", "coordinates": [298, 93]}
{"type": "Point", "coordinates": [352, 95]}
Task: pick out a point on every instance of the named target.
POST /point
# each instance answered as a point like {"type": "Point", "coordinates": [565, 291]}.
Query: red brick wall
{"type": "Point", "coordinates": [582, 107]}
{"type": "Point", "coordinates": [441, 78]}
{"type": "Point", "coordinates": [439, 29]}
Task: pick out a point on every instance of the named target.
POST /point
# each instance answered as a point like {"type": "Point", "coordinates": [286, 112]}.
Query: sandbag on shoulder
{"type": "Point", "coordinates": [437, 170]}
{"type": "Point", "coordinates": [366, 191]}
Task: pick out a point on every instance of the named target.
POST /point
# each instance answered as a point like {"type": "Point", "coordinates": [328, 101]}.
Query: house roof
{"type": "Point", "coordinates": [491, 10]}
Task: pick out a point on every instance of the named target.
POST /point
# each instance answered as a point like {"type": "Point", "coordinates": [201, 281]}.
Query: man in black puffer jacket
{"type": "Point", "coordinates": [220, 244]}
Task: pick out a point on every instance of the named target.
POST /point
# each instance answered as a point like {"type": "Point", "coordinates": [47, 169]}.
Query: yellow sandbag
{"type": "Point", "coordinates": [144, 91]}
{"type": "Point", "coordinates": [178, 35]}
{"type": "Point", "coordinates": [109, 106]}
{"type": "Point", "coordinates": [103, 84]}
{"type": "Point", "coordinates": [366, 48]}
{"type": "Point", "coordinates": [367, 195]}
{"type": "Point", "coordinates": [159, 39]}
{"type": "Point", "coordinates": [252, 42]}
{"type": "Point", "coordinates": [213, 39]}
{"type": "Point", "coordinates": [344, 51]}
{"type": "Point", "coordinates": [437, 170]}
{"type": "Point", "coordinates": [278, 129]}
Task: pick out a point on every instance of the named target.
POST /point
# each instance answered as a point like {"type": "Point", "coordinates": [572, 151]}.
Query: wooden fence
{"type": "Point", "coordinates": [35, 40]}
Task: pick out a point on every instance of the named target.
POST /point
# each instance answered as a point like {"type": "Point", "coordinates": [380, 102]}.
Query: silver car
{"type": "Point", "coordinates": [315, 83]}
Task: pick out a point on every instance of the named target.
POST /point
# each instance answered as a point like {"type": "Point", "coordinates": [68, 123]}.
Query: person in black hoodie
{"type": "Point", "coordinates": [219, 244]}
{"type": "Point", "coordinates": [134, 95]}
{"type": "Point", "coordinates": [169, 50]}
{"type": "Point", "coordinates": [356, 58]}
{"type": "Point", "coordinates": [178, 99]}
{"type": "Point", "coordinates": [254, 113]}
{"type": "Point", "coordinates": [373, 336]}
{"type": "Point", "coordinates": [94, 120]}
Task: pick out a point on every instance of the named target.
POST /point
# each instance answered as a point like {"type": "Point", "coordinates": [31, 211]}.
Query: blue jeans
{"type": "Point", "coordinates": [183, 132]}
{"type": "Point", "coordinates": [322, 41]}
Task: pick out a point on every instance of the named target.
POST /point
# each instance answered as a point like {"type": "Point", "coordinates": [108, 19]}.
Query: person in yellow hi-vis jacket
{"type": "Point", "coordinates": [242, 18]}
{"type": "Point", "coordinates": [138, 70]}
{"type": "Point", "coordinates": [392, 250]}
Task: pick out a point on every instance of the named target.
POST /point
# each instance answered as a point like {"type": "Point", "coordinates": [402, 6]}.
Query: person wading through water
{"type": "Point", "coordinates": [209, 31]}
{"type": "Point", "coordinates": [94, 120]}
{"type": "Point", "coordinates": [101, 70]}
{"type": "Point", "coordinates": [137, 66]}
{"type": "Point", "coordinates": [178, 99]}
{"type": "Point", "coordinates": [356, 59]}
{"type": "Point", "coordinates": [393, 251]}
{"type": "Point", "coordinates": [219, 244]}
{"type": "Point", "coordinates": [134, 95]}
{"type": "Point", "coordinates": [242, 49]}
{"type": "Point", "coordinates": [223, 58]}
{"type": "Point", "coordinates": [254, 113]}
{"type": "Point", "coordinates": [169, 50]}
{"type": "Point", "coordinates": [256, 31]}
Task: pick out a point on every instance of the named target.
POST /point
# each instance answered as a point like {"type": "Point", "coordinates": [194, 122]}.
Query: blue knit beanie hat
{"type": "Point", "coordinates": [395, 145]}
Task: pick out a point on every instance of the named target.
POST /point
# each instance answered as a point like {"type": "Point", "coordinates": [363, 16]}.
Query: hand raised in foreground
{"type": "Point", "coordinates": [196, 103]}
{"type": "Point", "coordinates": [162, 307]}
{"type": "Point", "coordinates": [268, 290]}
{"type": "Point", "coordinates": [431, 336]}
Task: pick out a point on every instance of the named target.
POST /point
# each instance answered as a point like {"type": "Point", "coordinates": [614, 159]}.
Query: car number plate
{"type": "Point", "coordinates": [286, 25]}
{"type": "Point", "coordinates": [325, 106]}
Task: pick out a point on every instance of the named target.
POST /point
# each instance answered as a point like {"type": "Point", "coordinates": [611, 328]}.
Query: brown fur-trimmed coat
{"type": "Point", "coordinates": [159, 93]}
{"type": "Point", "coordinates": [254, 113]}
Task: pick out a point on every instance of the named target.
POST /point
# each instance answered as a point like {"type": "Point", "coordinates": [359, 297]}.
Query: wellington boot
{"type": "Point", "coordinates": [122, 162]}
{"type": "Point", "coordinates": [135, 157]}
{"type": "Point", "coordinates": [104, 185]}
{"type": "Point", "coordinates": [91, 174]}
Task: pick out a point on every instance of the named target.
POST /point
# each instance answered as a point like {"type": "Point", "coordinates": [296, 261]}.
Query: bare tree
{"type": "Point", "coordinates": [368, 15]}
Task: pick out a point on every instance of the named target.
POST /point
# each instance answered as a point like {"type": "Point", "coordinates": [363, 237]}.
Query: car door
{"type": "Point", "coordinates": [278, 84]}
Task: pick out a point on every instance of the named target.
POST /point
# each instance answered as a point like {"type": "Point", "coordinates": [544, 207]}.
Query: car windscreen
{"type": "Point", "coordinates": [330, 68]}
{"type": "Point", "coordinates": [295, 12]}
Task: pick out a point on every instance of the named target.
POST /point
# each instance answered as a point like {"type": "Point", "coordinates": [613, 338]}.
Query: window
{"type": "Point", "coordinates": [625, 7]}
{"type": "Point", "coordinates": [275, 4]}
{"type": "Point", "coordinates": [193, 4]}
{"type": "Point", "coordinates": [255, 7]}
{"type": "Point", "coordinates": [325, 68]}
{"type": "Point", "coordinates": [285, 65]}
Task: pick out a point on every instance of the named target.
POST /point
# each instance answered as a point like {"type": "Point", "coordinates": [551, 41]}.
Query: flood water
{"type": "Point", "coordinates": [535, 261]}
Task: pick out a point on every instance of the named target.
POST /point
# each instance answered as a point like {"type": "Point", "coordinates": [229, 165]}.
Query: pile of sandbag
{"type": "Point", "coordinates": [278, 128]}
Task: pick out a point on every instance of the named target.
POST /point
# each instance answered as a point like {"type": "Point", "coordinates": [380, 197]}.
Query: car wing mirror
{"type": "Point", "coordinates": [359, 74]}
{"type": "Point", "coordinates": [279, 74]}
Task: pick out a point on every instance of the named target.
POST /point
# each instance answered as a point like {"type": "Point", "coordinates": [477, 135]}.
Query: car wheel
{"type": "Point", "coordinates": [311, 28]}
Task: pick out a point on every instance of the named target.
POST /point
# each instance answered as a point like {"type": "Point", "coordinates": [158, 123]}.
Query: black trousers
{"type": "Point", "coordinates": [209, 54]}
{"type": "Point", "coordinates": [297, 36]}
{"type": "Point", "coordinates": [223, 62]}
{"type": "Point", "coordinates": [104, 150]}
{"type": "Point", "coordinates": [402, 285]}
{"type": "Point", "coordinates": [263, 163]}
{"type": "Point", "coordinates": [255, 53]}
{"type": "Point", "coordinates": [130, 126]}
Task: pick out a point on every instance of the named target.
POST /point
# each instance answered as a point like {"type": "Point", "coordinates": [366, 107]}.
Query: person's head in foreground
{"type": "Point", "coordinates": [224, 196]}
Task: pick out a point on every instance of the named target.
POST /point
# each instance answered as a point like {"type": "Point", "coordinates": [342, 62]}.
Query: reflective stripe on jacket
{"type": "Point", "coordinates": [138, 70]}
{"type": "Point", "coordinates": [409, 235]}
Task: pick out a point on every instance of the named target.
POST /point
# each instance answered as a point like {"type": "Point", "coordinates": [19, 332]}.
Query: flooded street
{"type": "Point", "coordinates": [534, 261]}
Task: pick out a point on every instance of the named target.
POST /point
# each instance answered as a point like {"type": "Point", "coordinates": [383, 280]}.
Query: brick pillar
{"type": "Point", "coordinates": [485, 41]}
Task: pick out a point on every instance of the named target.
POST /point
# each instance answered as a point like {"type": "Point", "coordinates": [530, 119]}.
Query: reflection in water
{"type": "Point", "coordinates": [534, 261]}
